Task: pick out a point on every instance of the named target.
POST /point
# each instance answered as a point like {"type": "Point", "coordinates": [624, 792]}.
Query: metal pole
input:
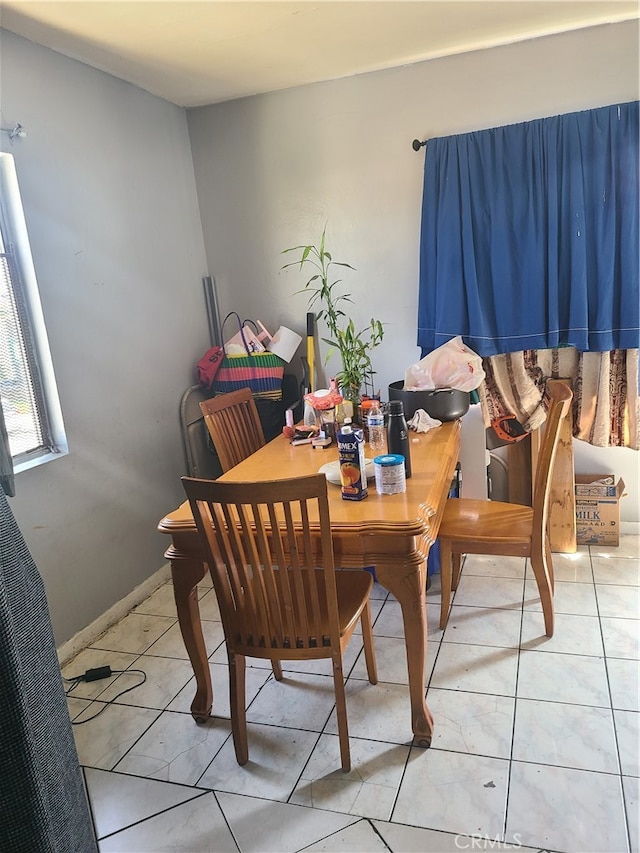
{"type": "Point", "coordinates": [213, 315]}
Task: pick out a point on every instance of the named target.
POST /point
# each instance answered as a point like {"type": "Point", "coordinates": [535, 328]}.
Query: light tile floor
{"type": "Point", "coordinates": [535, 746]}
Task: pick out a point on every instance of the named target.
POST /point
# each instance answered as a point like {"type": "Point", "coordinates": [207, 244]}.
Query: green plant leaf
{"type": "Point", "coordinates": [353, 346]}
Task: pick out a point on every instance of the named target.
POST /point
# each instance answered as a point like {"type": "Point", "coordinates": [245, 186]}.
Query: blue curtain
{"type": "Point", "coordinates": [529, 235]}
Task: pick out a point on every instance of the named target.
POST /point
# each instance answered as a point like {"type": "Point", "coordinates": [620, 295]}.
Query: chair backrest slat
{"type": "Point", "coordinates": [275, 588]}
{"type": "Point", "coordinates": [301, 577]}
{"type": "Point", "coordinates": [327, 545]}
{"type": "Point", "coordinates": [272, 558]}
{"type": "Point", "coordinates": [315, 578]}
{"type": "Point", "coordinates": [282, 582]}
{"type": "Point", "coordinates": [233, 553]}
{"type": "Point", "coordinates": [259, 629]}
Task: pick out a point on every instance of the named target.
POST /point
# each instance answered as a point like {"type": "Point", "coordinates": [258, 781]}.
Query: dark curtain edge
{"type": "Point", "coordinates": [7, 478]}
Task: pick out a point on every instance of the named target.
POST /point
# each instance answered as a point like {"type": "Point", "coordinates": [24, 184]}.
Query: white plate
{"type": "Point", "coordinates": [332, 471]}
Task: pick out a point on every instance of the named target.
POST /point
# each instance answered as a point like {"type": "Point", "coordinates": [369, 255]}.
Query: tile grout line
{"type": "Point", "coordinates": [605, 659]}
{"type": "Point", "coordinates": [515, 706]}
{"type": "Point", "coordinates": [226, 820]}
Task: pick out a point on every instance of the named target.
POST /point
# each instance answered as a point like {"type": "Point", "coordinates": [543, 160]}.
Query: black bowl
{"type": "Point", "coordinates": [444, 404]}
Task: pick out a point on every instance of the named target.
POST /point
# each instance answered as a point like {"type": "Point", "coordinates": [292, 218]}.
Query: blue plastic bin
{"type": "Point", "coordinates": [433, 560]}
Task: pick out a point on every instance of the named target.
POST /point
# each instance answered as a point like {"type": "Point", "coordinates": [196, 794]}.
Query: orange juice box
{"type": "Point", "coordinates": [353, 474]}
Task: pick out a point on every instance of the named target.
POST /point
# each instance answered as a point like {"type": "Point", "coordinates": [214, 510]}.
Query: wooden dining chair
{"type": "Point", "coordinates": [506, 529]}
{"type": "Point", "coordinates": [235, 429]}
{"type": "Point", "coordinates": [234, 426]}
{"type": "Point", "coordinates": [279, 595]}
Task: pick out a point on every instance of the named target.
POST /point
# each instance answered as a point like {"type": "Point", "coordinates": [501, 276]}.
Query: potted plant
{"type": "Point", "coordinates": [353, 346]}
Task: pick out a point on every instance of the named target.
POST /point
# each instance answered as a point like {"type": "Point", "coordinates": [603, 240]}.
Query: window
{"type": "Point", "coordinates": [27, 386]}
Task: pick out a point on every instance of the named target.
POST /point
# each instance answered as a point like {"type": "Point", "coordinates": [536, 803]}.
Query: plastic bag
{"type": "Point", "coordinates": [208, 366]}
{"type": "Point", "coordinates": [246, 339]}
{"type": "Point", "coordinates": [452, 365]}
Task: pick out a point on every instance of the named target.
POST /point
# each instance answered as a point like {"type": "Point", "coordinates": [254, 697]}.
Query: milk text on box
{"type": "Point", "coordinates": [589, 511]}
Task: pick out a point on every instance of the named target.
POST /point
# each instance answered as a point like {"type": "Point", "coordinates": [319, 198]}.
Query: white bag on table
{"type": "Point", "coordinates": [452, 365]}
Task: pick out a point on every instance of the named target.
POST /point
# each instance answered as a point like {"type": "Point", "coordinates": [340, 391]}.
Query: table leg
{"type": "Point", "coordinates": [408, 585]}
{"type": "Point", "coordinates": [186, 574]}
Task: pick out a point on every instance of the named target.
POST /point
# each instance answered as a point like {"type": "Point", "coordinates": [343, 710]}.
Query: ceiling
{"type": "Point", "coordinates": [196, 53]}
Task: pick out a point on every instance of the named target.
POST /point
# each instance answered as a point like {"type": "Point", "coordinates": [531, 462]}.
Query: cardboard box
{"type": "Point", "coordinates": [598, 509]}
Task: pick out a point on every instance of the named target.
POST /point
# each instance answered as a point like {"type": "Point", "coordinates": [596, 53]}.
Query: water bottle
{"type": "Point", "coordinates": [398, 434]}
{"type": "Point", "coordinates": [375, 426]}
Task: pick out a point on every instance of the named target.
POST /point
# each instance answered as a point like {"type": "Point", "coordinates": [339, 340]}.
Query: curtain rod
{"type": "Point", "coordinates": [417, 145]}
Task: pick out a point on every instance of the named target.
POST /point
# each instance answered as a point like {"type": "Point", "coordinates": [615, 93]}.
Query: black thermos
{"type": "Point", "coordinates": [398, 434]}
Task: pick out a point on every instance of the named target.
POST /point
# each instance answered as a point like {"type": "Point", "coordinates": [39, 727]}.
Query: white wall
{"type": "Point", "coordinates": [108, 188]}
{"type": "Point", "coordinates": [272, 169]}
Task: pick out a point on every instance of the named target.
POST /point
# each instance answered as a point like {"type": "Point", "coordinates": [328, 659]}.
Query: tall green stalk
{"type": "Point", "coordinates": [354, 346]}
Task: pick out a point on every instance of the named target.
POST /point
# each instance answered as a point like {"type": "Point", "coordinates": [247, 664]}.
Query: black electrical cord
{"type": "Point", "coordinates": [97, 674]}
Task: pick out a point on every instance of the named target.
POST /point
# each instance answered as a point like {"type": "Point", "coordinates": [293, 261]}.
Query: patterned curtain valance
{"type": "Point", "coordinates": [606, 411]}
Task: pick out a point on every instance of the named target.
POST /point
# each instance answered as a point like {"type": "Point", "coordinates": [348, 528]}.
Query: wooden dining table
{"type": "Point", "coordinates": [392, 533]}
